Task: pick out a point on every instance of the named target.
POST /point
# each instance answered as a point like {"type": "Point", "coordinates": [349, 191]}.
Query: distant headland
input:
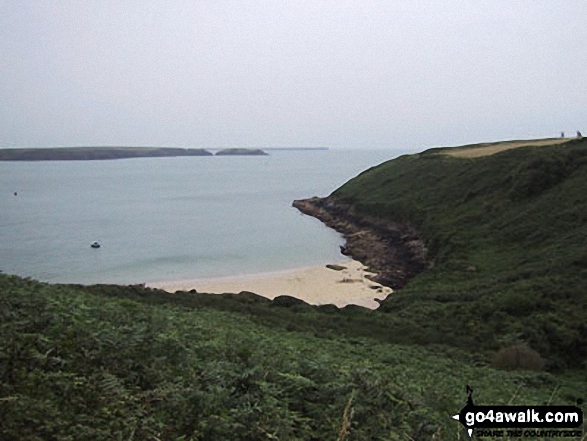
{"type": "Point", "coordinates": [94, 153]}
{"type": "Point", "coordinates": [102, 153]}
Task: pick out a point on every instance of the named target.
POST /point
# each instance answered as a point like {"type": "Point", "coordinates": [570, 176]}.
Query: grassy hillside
{"type": "Point", "coordinates": [110, 363]}
{"type": "Point", "coordinates": [508, 237]}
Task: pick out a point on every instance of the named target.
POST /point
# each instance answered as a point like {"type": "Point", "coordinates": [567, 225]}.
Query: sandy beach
{"type": "Point", "coordinates": [319, 285]}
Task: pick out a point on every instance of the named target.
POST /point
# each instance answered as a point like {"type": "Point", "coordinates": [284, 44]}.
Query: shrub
{"type": "Point", "coordinates": [519, 356]}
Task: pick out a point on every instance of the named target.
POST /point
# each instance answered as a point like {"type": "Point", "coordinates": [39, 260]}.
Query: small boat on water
{"type": "Point", "coordinates": [95, 245]}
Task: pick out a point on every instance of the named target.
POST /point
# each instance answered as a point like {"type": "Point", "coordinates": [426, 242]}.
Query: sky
{"type": "Point", "coordinates": [398, 74]}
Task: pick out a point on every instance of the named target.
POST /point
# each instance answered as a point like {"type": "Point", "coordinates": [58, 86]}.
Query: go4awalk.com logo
{"type": "Point", "coordinates": [520, 421]}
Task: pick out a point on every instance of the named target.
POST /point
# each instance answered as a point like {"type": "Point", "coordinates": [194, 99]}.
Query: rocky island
{"type": "Point", "coordinates": [241, 152]}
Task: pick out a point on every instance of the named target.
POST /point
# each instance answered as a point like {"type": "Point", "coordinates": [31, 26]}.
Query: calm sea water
{"type": "Point", "coordinates": [165, 219]}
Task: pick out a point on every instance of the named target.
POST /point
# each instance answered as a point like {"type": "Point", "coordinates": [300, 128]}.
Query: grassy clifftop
{"type": "Point", "coordinates": [508, 237]}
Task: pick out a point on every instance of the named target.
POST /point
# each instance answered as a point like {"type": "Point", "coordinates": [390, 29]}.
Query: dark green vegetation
{"type": "Point", "coordinates": [94, 153]}
{"type": "Point", "coordinates": [508, 237]}
{"type": "Point", "coordinates": [120, 363]}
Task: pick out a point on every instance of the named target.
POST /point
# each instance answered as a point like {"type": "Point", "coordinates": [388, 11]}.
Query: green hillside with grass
{"type": "Point", "coordinates": [120, 363]}
{"type": "Point", "coordinates": [507, 236]}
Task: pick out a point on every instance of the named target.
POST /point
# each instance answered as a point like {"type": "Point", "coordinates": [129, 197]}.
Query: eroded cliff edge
{"type": "Point", "coordinates": [396, 252]}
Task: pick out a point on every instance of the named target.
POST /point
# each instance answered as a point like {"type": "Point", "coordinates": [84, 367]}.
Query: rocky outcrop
{"type": "Point", "coordinates": [396, 252]}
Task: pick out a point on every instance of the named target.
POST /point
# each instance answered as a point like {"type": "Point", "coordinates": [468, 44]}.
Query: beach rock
{"type": "Point", "coordinates": [336, 267]}
{"type": "Point", "coordinates": [395, 252]}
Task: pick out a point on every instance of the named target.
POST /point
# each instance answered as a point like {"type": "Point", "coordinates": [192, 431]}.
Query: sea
{"type": "Point", "coordinates": [170, 219]}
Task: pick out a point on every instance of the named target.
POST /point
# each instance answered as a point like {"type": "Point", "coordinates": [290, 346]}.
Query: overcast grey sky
{"type": "Point", "coordinates": [399, 74]}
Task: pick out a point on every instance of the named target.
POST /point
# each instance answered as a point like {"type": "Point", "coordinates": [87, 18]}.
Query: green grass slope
{"type": "Point", "coordinates": [508, 237]}
{"type": "Point", "coordinates": [126, 363]}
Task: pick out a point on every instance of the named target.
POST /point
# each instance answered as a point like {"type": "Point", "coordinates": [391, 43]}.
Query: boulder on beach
{"type": "Point", "coordinates": [336, 267]}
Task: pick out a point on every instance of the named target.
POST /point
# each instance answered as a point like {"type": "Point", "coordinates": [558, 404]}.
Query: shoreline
{"type": "Point", "coordinates": [395, 252]}
{"type": "Point", "coordinates": [349, 283]}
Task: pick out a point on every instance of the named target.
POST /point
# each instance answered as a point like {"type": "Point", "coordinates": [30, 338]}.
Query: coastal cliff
{"type": "Point", "coordinates": [396, 252]}
{"type": "Point", "coordinates": [490, 237]}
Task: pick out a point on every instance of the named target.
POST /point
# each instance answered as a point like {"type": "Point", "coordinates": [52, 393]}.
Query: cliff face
{"type": "Point", "coordinates": [396, 252]}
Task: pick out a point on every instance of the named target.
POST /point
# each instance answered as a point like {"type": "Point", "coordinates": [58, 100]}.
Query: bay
{"type": "Point", "coordinates": [166, 219]}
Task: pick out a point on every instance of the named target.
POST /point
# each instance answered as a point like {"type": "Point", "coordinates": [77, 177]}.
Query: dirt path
{"type": "Point", "coordinates": [490, 149]}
